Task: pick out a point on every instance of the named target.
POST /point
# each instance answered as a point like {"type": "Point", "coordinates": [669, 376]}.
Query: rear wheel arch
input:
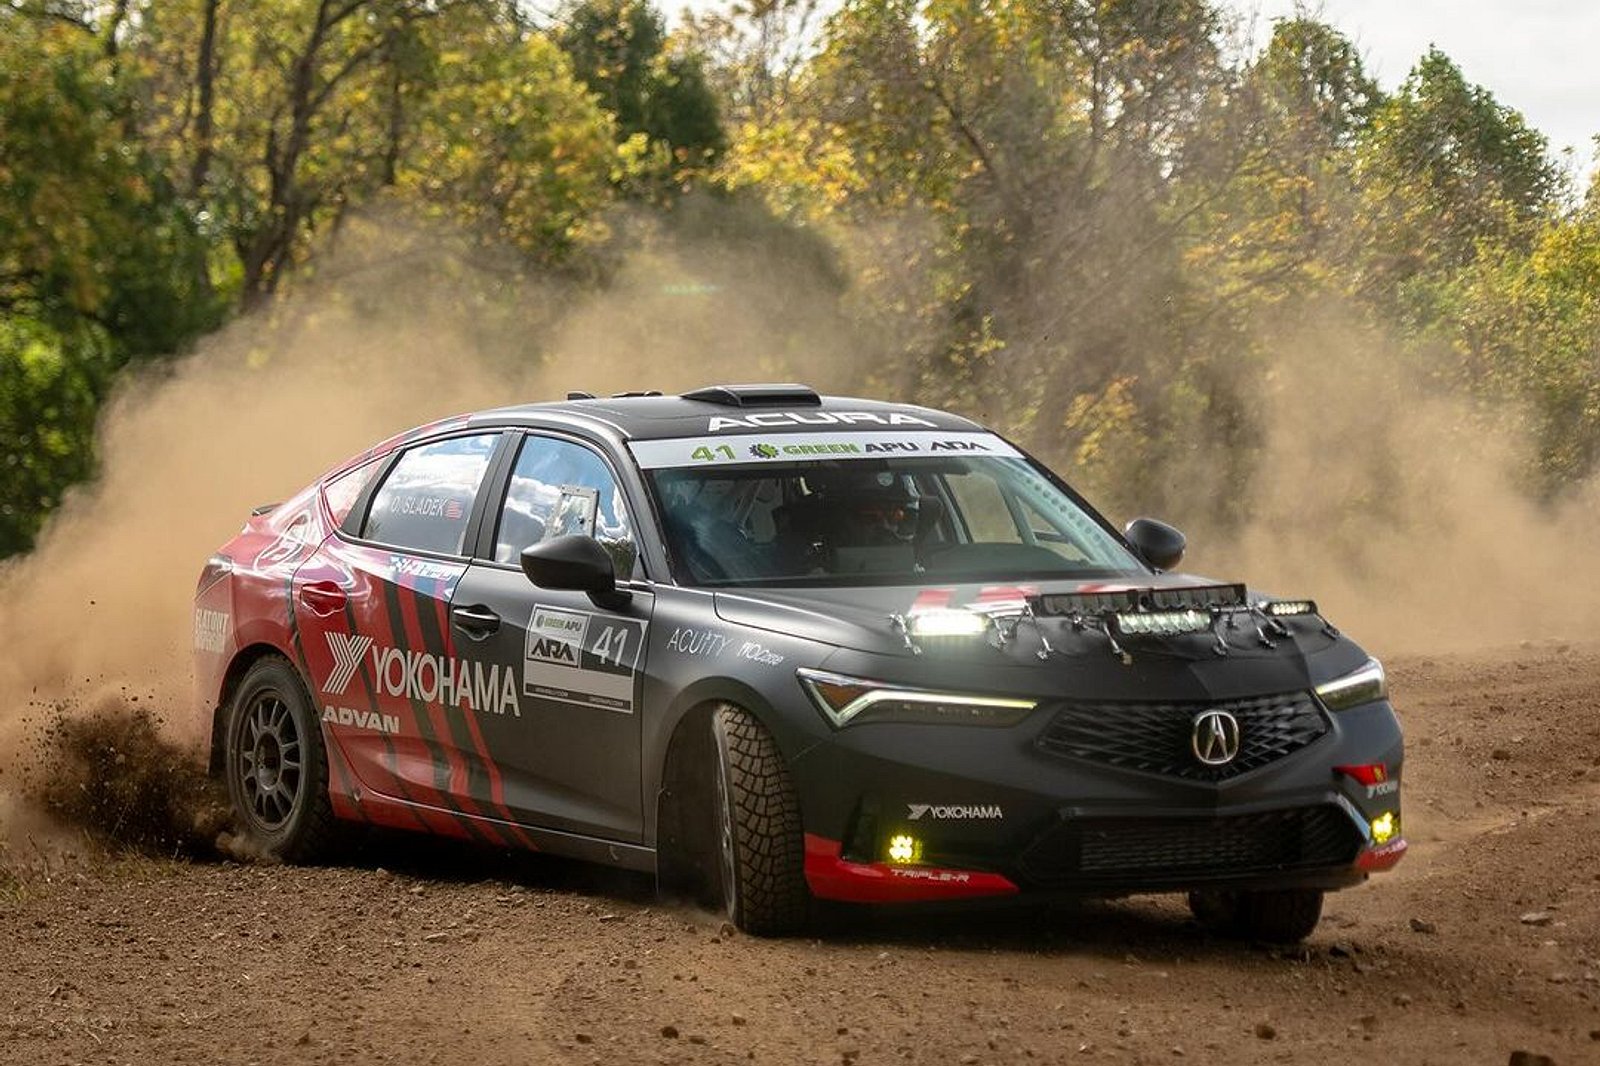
{"type": "Point", "coordinates": [238, 667]}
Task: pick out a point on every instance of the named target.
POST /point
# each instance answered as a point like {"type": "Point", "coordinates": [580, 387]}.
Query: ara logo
{"type": "Point", "coordinates": [553, 650]}
{"type": "Point", "coordinates": [769, 419]}
{"type": "Point", "coordinates": [557, 637]}
{"type": "Point", "coordinates": [354, 719]}
{"type": "Point", "coordinates": [952, 812]}
{"type": "Point", "coordinates": [347, 648]}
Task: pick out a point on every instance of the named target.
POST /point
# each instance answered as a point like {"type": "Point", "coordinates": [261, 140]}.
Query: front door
{"type": "Point", "coordinates": [569, 758]}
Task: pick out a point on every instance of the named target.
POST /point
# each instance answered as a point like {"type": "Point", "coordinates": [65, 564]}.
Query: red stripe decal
{"type": "Point", "coordinates": [497, 791]}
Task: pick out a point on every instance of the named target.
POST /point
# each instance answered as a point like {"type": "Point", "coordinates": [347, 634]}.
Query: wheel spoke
{"type": "Point", "coordinates": [269, 759]}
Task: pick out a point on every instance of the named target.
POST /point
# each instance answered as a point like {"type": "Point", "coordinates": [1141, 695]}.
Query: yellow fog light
{"type": "Point", "coordinates": [904, 849]}
{"type": "Point", "coordinates": [1385, 827]}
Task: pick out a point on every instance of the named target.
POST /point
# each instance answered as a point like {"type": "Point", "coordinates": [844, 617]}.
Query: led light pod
{"type": "Point", "coordinates": [947, 622]}
{"type": "Point", "coordinates": [903, 849]}
{"type": "Point", "coordinates": [1385, 827]}
{"type": "Point", "coordinates": [1162, 623]}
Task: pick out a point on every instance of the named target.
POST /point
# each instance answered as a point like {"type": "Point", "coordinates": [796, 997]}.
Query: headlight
{"type": "Point", "coordinates": [844, 700]}
{"type": "Point", "coordinates": [1351, 690]}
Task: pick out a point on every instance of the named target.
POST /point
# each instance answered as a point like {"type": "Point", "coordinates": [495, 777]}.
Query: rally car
{"type": "Point", "coordinates": [780, 648]}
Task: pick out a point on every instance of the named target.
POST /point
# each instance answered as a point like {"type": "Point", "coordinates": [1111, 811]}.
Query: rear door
{"type": "Point", "coordinates": [570, 759]}
{"type": "Point", "coordinates": [402, 708]}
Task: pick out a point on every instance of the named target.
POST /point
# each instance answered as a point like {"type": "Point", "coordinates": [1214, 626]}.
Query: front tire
{"type": "Point", "coordinates": [1279, 916]}
{"type": "Point", "coordinates": [276, 766]}
{"type": "Point", "coordinates": [760, 843]}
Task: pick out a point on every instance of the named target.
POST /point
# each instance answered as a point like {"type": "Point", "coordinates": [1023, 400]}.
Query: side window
{"type": "Point", "coordinates": [343, 491]}
{"type": "Point", "coordinates": [426, 500]}
{"type": "Point", "coordinates": [558, 488]}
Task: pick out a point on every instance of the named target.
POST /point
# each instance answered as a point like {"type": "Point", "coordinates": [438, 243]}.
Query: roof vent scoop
{"type": "Point", "coordinates": [757, 395]}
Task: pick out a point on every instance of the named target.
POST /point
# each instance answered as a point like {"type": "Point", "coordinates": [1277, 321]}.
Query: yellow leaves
{"type": "Point", "coordinates": [801, 166]}
{"type": "Point", "coordinates": [1105, 423]}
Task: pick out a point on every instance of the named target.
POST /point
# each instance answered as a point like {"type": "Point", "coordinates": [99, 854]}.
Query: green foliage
{"type": "Point", "coordinates": [1442, 170]}
{"type": "Point", "coordinates": [100, 263]}
{"type": "Point", "coordinates": [538, 171]}
{"type": "Point", "coordinates": [1079, 219]}
{"type": "Point", "coordinates": [620, 50]}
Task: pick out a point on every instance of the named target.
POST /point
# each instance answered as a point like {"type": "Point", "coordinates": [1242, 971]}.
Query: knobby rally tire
{"type": "Point", "coordinates": [1283, 916]}
{"type": "Point", "coordinates": [276, 767]}
{"type": "Point", "coordinates": [760, 842]}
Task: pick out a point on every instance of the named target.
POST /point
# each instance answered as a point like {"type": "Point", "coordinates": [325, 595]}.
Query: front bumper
{"type": "Point", "coordinates": [997, 812]}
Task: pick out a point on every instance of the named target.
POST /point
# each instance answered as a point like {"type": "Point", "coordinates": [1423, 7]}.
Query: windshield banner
{"type": "Point", "coordinates": [814, 447]}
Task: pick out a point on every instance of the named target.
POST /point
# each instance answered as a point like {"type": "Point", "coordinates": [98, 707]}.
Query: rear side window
{"type": "Point", "coordinates": [559, 488]}
{"type": "Point", "coordinates": [426, 500]}
{"type": "Point", "coordinates": [343, 491]}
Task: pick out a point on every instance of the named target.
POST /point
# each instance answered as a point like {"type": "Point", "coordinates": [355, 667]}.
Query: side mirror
{"type": "Point", "coordinates": [576, 563]}
{"type": "Point", "coordinates": [1157, 543]}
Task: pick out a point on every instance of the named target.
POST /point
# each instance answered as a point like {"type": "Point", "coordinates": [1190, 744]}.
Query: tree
{"type": "Point", "coordinates": [1445, 168]}
{"type": "Point", "coordinates": [657, 94]}
{"type": "Point", "coordinates": [98, 259]}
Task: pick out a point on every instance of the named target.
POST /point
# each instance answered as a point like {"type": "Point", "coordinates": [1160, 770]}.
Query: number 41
{"type": "Point", "coordinates": [610, 645]}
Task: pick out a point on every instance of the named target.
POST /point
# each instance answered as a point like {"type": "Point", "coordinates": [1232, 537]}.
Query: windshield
{"type": "Point", "coordinates": [880, 521]}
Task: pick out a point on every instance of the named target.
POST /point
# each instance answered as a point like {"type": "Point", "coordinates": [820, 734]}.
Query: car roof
{"type": "Point", "coordinates": [724, 409]}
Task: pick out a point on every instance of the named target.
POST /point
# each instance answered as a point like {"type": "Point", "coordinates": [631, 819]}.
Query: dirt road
{"type": "Point", "coordinates": [1485, 942]}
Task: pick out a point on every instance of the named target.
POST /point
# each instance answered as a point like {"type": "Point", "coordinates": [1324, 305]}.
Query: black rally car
{"type": "Point", "coordinates": [778, 647]}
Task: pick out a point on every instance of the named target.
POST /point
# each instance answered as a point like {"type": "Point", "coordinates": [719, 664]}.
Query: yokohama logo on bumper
{"type": "Point", "coordinates": [954, 812]}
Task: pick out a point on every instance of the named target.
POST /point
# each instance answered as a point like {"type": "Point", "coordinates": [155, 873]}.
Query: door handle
{"type": "Point", "coordinates": [476, 621]}
{"type": "Point", "coordinates": [322, 598]}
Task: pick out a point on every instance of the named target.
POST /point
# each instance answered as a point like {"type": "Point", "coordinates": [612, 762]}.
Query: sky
{"type": "Point", "coordinates": [1537, 56]}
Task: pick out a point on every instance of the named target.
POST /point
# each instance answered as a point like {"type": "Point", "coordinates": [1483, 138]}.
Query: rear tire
{"type": "Point", "coordinates": [1279, 916]}
{"type": "Point", "coordinates": [760, 843]}
{"type": "Point", "coordinates": [276, 767]}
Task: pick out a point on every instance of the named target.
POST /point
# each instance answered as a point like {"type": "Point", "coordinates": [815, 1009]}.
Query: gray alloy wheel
{"type": "Point", "coordinates": [276, 767]}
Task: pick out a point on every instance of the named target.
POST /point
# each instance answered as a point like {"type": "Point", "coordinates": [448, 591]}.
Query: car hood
{"type": "Point", "coordinates": [1043, 652]}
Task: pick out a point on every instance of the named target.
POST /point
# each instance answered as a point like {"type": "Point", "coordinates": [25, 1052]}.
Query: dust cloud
{"type": "Point", "coordinates": [1396, 509]}
{"type": "Point", "coordinates": [400, 325]}
{"type": "Point", "coordinates": [1400, 506]}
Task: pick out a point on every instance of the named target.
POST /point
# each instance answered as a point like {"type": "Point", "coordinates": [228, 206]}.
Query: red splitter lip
{"type": "Point", "coordinates": [1382, 857]}
{"type": "Point", "coordinates": [832, 877]}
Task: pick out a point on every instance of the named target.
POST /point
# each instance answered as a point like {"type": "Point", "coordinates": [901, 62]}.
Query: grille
{"type": "Point", "coordinates": [1132, 852]}
{"type": "Point", "coordinates": [1159, 737]}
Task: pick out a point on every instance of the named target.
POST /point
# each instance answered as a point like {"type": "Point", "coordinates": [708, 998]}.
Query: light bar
{"type": "Point", "coordinates": [1287, 608]}
{"type": "Point", "coordinates": [945, 622]}
{"type": "Point", "coordinates": [1162, 623]}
